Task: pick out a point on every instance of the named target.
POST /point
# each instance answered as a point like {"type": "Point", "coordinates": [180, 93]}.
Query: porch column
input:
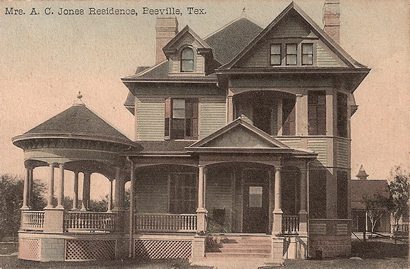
{"type": "Point", "coordinates": [229, 108]}
{"type": "Point", "coordinates": [303, 202]}
{"type": "Point", "coordinates": [110, 197]}
{"type": "Point", "coordinates": [60, 196]}
{"type": "Point", "coordinates": [86, 191]}
{"type": "Point", "coordinates": [26, 190]}
{"type": "Point", "coordinates": [118, 204]}
{"type": "Point", "coordinates": [50, 193]}
{"type": "Point", "coordinates": [30, 188]}
{"type": "Point", "coordinates": [131, 252]}
{"type": "Point", "coordinates": [277, 211]}
{"type": "Point", "coordinates": [201, 211]}
{"type": "Point", "coordinates": [75, 199]}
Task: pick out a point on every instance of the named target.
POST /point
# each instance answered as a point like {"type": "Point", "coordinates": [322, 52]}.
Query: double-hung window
{"type": "Point", "coordinates": [275, 54]}
{"type": "Point", "coordinates": [181, 118]}
{"type": "Point", "coordinates": [307, 54]}
{"type": "Point", "coordinates": [317, 112]}
{"type": "Point", "coordinates": [187, 60]}
{"type": "Point", "coordinates": [291, 54]}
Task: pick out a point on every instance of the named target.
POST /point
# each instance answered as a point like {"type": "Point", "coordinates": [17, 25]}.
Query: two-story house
{"type": "Point", "coordinates": [242, 149]}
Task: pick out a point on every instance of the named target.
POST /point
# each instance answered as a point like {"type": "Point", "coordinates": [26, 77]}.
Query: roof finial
{"type": "Point", "coordinates": [79, 101]}
{"type": "Point", "coordinates": [362, 173]}
{"type": "Point", "coordinates": [243, 14]}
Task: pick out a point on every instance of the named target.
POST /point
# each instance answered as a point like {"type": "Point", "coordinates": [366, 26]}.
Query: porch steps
{"type": "Point", "coordinates": [239, 246]}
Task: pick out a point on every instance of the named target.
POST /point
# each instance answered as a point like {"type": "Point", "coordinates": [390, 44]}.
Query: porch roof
{"type": "Point", "coordinates": [240, 136]}
{"type": "Point", "coordinates": [75, 123]}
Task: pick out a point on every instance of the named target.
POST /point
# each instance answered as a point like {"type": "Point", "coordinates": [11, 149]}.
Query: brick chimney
{"type": "Point", "coordinates": [331, 19]}
{"type": "Point", "coordinates": [166, 28]}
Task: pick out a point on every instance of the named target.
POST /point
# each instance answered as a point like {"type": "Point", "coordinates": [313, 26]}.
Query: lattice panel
{"type": "Point", "coordinates": [85, 250]}
{"type": "Point", "coordinates": [29, 249]}
{"type": "Point", "coordinates": [163, 249]}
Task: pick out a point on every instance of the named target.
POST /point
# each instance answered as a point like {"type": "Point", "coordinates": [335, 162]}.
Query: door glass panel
{"type": "Point", "coordinates": [255, 196]}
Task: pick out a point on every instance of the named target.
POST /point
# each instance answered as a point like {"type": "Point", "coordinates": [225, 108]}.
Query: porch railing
{"type": "Point", "coordinates": [290, 224]}
{"type": "Point", "coordinates": [401, 228]}
{"type": "Point", "coordinates": [158, 222]}
{"type": "Point", "coordinates": [89, 221]}
{"type": "Point", "coordinates": [32, 220]}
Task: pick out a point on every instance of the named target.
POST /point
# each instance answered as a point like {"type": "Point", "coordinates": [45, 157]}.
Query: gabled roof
{"type": "Point", "coordinates": [232, 38]}
{"type": "Point", "coordinates": [292, 7]}
{"type": "Point", "coordinates": [79, 122]}
{"type": "Point", "coordinates": [241, 136]}
{"type": "Point", "coordinates": [186, 30]}
{"type": "Point", "coordinates": [367, 187]}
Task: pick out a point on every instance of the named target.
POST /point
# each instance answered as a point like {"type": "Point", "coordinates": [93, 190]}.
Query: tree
{"type": "Point", "coordinates": [11, 200]}
{"type": "Point", "coordinates": [399, 193]}
{"type": "Point", "coordinates": [376, 206]}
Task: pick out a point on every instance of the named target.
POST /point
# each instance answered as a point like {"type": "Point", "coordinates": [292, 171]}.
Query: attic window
{"type": "Point", "coordinates": [275, 54]}
{"type": "Point", "coordinates": [187, 60]}
{"type": "Point", "coordinates": [291, 54]}
{"type": "Point", "coordinates": [307, 54]}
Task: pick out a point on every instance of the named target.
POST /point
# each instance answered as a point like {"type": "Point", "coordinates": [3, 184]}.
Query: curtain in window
{"type": "Point", "coordinates": [187, 60]}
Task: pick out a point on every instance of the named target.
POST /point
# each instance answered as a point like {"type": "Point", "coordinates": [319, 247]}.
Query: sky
{"type": "Point", "coordinates": [46, 60]}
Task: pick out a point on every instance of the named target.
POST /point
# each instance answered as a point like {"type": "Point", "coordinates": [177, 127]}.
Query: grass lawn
{"type": "Point", "coordinates": [375, 254]}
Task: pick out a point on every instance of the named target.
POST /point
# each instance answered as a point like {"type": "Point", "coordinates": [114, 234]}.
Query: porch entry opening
{"type": "Point", "coordinates": [256, 201]}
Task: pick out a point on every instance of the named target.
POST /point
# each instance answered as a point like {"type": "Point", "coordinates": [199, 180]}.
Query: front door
{"type": "Point", "coordinates": [255, 201]}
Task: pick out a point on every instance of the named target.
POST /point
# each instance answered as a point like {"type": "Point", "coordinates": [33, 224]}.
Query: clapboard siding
{"type": "Point", "coordinates": [152, 193]}
{"type": "Point", "coordinates": [319, 146]}
{"type": "Point", "coordinates": [343, 152]}
{"type": "Point", "coordinates": [293, 142]}
{"type": "Point", "coordinates": [212, 115]}
{"type": "Point", "coordinates": [326, 58]}
{"type": "Point", "coordinates": [149, 115]}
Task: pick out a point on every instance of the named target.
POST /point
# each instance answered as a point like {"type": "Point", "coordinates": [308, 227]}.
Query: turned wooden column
{"type": "Point", "coordinates": [201, 211]}
{"type": "Point", "coordinates": [303, 201]}
{"type": "Point", "coordinates": [50, 192]}
{"type": "Point", "coordinates": [110, 197]}
{"type": "Point", "coordinates": [60, 194]}
{"type": "Point", "coordinates": [75, 199]}
{"type": "Point", "coordinates": [26, 190]}
{"type": "Point", "coordinates": [86, 191]}
{"type": "Point", "coordinates": [277, 211]}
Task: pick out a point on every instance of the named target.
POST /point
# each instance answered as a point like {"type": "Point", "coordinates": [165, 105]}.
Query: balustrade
{"type": "Point", "coordinates": [89, 221]}
{"type": "Point", "coordinates": [156, 222]}
{"type": "Point", "coordinates": [290, 224]}
{"type": "Point", "coordinates": [32, 220]}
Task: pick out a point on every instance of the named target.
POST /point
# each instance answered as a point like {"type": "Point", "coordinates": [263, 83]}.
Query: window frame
{"type": "Point", "coordinates": [314, 109]}
{"type": "Point", "coordinates": [190, 119]}
{"type": "Point", "coordinates": [342, 115]}
{"type": "Point", "coordinates": [276, 54]}
{"type": "Point", "coordinates": [293, 54]}
{"type": "Point", "coordinates": [307, 54]}
{"type": "Point", "coordinates": [183, 60]}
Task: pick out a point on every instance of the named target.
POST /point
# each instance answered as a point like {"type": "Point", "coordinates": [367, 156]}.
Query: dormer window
{"type": "Point", "coordinates": [187, 60]}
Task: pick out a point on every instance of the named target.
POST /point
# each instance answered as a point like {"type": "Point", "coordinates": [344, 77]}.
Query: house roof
{"type": "Point", "coordinates": [161, 147]}
{"type": "Point", "coordinates": [232, 38]}
{"type": "Point", "coordinates": [78, 121]}
{"type": "Point", "coordinates": [160, 73]}
{"type": "Point", "coordinates": [368, 187]}
{"type": "Point", "coordinates": [292, 7]}
{"type": "Point", "coordinates": [225, 43]}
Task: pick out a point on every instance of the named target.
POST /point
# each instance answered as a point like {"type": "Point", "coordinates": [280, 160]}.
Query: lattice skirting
{"type": "Point", "coordinates": [85, 250]}
{"type": "Point", "coordinates": [29, 249]}
{"type": "Point", "coordinates": [163, 249]}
